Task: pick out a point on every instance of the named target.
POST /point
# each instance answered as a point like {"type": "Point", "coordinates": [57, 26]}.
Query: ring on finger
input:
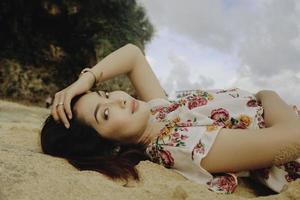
{"type": "Point", "coordinates": [61, 103]}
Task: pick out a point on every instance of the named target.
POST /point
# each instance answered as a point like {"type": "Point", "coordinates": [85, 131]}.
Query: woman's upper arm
{"type": "Point", "coordinates": [144, 80]}
{"type": "Point", "coordinates": [260, 93]}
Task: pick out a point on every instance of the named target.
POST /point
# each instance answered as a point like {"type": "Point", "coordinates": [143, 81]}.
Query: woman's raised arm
{"type": "Point", "coordinates": [130, 60]}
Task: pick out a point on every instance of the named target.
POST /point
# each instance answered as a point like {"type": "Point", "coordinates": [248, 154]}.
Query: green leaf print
{"type": "Point", "coordinates": [234, 121]}
{"type": "Point", "coordinates": [182, 143]}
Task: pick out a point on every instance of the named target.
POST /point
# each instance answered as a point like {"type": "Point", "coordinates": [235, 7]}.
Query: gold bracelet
{"type": "Point", "coordinates": [89, 70]}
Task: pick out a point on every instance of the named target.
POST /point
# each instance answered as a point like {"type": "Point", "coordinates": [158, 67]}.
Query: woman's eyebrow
{"type": "Point", "coordinates": [97, 107]}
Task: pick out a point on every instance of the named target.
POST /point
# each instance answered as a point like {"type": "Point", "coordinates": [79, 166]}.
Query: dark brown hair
{"type": "Point", "coordinates": [85, 149]}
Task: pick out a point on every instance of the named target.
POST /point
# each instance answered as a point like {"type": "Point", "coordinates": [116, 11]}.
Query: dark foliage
{"type": "Point", "coordinates": [65, 36]}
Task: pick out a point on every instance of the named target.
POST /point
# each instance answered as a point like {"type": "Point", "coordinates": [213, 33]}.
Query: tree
{"type": "Point", "coordinates": [64, 36]}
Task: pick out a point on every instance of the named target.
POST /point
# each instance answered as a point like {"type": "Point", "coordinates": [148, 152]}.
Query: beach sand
{"type": "Point", "coordinates": [27, 173]}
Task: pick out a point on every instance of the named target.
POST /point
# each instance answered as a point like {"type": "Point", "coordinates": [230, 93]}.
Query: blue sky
{"type": "Point", "coordinates": [208, 44]}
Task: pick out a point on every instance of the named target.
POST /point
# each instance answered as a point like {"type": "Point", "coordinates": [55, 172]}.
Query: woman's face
{"type": "Point", "coordinates": [110, 114]}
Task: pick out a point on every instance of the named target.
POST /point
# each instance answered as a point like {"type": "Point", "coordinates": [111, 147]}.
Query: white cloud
{"type": "Point", "coordinates": [269, 44]}
{"type": "Point", "coordinates": [263, 36]}
{"type": "Point", "coordinates": [179, 77]}
{"type": "Point", "coordinates": [285, 84]}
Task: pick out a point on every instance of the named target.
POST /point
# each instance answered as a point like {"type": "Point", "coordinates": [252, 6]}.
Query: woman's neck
{"type": "Point", "coordinates": [151, 132]}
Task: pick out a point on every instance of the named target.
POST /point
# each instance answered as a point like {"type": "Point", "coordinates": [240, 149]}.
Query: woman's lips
{"type": "Point", "coordinates": [134, 106]}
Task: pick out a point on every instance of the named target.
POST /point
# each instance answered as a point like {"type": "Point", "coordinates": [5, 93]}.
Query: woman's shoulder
{"type": "Point", "coordinates": [159, 102]}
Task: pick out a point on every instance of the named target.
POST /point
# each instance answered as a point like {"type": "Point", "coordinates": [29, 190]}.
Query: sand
{"type": "Point", "coordinates": [27, 173]}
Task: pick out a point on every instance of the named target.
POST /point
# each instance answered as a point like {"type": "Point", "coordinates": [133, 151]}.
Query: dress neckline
{"type": "Point", "coordinates": [155, 103]}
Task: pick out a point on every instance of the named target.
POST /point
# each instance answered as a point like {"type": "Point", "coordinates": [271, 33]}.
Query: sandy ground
{"type": "Point", "coordinates": [27, 173]}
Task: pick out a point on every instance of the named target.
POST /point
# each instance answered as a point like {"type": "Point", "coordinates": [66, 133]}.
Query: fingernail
{"type": "Point", "coordinates": [70, 116]}
{"type": "Point", "coordinates": [67, 125]}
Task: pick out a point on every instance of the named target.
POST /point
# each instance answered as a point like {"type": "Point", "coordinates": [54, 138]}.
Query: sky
{"type": "Point", "coordinates": [217, 44]}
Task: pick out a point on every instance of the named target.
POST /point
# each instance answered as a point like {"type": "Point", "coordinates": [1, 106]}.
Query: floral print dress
{"type": "Point", "coordinates": [192, 123]}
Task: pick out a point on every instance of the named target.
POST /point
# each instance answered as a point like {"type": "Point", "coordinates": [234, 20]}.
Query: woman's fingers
{"type": "Point", "coordinates": [53, 110]}
{"type": "Point", "coordinates": [62, 115]}
{"type": "Point", "coordinates": [63, 112]}
{"type": "Point", "coordinates": [67, 106]}
{"type": "Point", "coordinates": [58, 109]}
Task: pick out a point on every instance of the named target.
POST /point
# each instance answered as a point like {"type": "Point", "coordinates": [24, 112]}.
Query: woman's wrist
{"type": "Point", "coordinates": [87, 78]}
{"type": "Point", "coordinates": [260, 95]}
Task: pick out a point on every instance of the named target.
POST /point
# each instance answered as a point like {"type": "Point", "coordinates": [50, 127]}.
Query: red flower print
{"type": "Point", "coordinates": [162, 111]}
{"type": "Point", "coordinates": [173, 141]}
{"type": "Point", "coordinates": [176, 135]}
{"type": "Point", "coordinates": [165, 109]}
{"type": "Point", "coordinates": [192, 104]}
{"type": "Point", "coordinates": [260, 120]}
{"type": "Point", "coordinates": [183, 137]}
{"type": "Point", "coordinates": [219, 115]}
{"type": "Point", "coordinates": [262, 124]}
{"type": "Point", "coordinates": [178, 140]}
{"type": "Point", "coordinates": [289, 177]}
{"type": "Point", "coordinates": [217, 123]}
{"type": "Point", "coordinates": [167, 159]}
{"type": "Point", "coordinates": [196, 102]}
{"type": "Point", "coordinates": [173, 107]}
{"type": "Point", "coordinates": [183, 129]}
{"type": "Point", "coordinates": [158, 109]}
{"type": "Point", "coordinates": [161, 116]}
{"type": "Point", "coordinates": [226, 183]}
{"type": "Point", "coordinates": [252, 103]}
{"type": "Point", "coordinates": [199, 148]}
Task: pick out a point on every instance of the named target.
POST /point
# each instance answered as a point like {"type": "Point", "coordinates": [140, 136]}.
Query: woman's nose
{"type": "Point", "coordinates": [121, 102]}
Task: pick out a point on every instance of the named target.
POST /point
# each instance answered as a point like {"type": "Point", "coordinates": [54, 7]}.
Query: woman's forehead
{"type": "Point", "coordinates": [83, 108]}
{"type": "Point", "coordinates": [85, 100]}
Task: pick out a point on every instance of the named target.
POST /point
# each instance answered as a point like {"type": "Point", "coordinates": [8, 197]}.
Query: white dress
{"type": "Point", "coordinates": [192, 123]}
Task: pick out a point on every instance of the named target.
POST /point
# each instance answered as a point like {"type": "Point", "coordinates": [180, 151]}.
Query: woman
{"type": "Point", "coordinates": [223, 129]}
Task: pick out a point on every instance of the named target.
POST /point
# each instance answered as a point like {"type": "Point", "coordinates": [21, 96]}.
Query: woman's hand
{"type": "Point", "coordinates": [260, 94]}
{"type": "Point", "coordinates": [62, 99]}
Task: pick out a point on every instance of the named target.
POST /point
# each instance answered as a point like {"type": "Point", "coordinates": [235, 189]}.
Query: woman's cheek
{"type": "Point", "coordinates": [122, 123]}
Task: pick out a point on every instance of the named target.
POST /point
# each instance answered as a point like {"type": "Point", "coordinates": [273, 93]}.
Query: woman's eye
{"type": "Point", "coordinates": [106, 110]}
{"type": "Point", "coordinates": [106, 94]}
{"type": "Point", "coordinates": [106, 114]}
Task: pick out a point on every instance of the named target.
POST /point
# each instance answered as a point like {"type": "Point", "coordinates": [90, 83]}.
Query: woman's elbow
{"type": "Point", "coordinates": [133, 47]}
